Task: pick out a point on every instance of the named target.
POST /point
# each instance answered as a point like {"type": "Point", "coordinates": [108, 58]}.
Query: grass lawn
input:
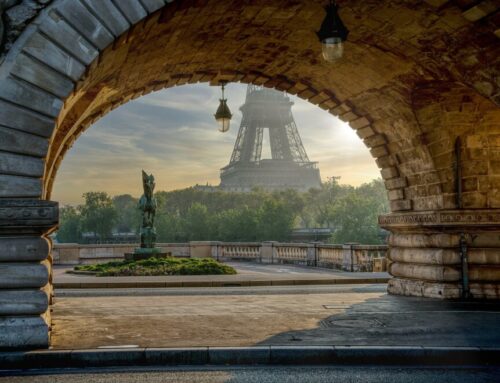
{"type": "Point", "coordinates": [159, 266]}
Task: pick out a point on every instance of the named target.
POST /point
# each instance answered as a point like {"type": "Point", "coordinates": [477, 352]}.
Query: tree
{"type": "Point", "coordinates": [198, 223]}
{"type": "Point", "coordinates": [355, 219]}
{"type": "Point", "coordinates": [98, 214]}
{"type": "Point", "coordinates": [193, 214]}
{"type": "Point", "coordinates": [375, 189]}
{"type": "Point", "coordinates": [275, 221]}
{"type": "Point", "coordinates": [128, 216]}
{"type": "Point", "coordinates": [319, 201]}
{"type": "Point", "coordinates": [237, 225]}
{"type": "Point", "coordinates": [69, 225]}
{"type": "Point", "coordinates": [169, 228]}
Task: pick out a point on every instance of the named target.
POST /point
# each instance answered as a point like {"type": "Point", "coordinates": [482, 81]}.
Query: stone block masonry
{"type": "Point", "coordinates": [25, 269]}
{"type": "Point", "coordinates": [444, 254]}
{"type": "Point", "coordinates": [417, 82]}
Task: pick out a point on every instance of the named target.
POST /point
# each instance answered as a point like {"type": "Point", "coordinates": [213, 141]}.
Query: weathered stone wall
{"type": "Point", "coordinates": [416, 76]}
{"type": "Point", "coordinates": [461, 114]}
{"type": "Point", "coordinates": [445, 254]}
{"type": "Point", "coordinates": [15, 16]}
{"type": "Point", "coordinates": [25, 272]}
{"type": "Point", "coordinates": [375, 87]}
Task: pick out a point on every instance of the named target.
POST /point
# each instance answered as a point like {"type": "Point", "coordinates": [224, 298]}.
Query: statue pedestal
{"type": "Point", "coordinates": [145, 253]}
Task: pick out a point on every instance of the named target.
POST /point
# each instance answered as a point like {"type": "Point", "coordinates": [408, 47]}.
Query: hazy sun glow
{"type": "Point", "coordinates": [173, 134]}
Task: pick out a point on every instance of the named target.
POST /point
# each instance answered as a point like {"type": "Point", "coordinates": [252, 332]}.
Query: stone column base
{"type": "Point", "coordinates": [444, 254]}
{"type": "Point", "coordinates": [25, 272]}
{"type": "Point", "coordinates": [415, 288]}
{"type": "Point", "coordinates": [21, 332]}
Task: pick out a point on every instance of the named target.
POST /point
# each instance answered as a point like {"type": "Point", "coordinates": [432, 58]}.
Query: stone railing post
{"type": "Point", "coordinates": [427, 251]}
{"type": "Point", "coordinates": [25, 272]}
{"type": "Point", "coordinates": [312, 256]}
{"type": "Point", "coordinates": [348, 261]}
{"type": "Point", "coordinates": [204, 249]}
{"type": "Point", "coordinates": [268, 252]}
{"type": "Point", "coordinates": [216, 250]}
{"type": "Point", "coordinates": [356, 257]}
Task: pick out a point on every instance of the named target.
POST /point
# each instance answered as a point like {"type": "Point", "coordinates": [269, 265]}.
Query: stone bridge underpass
{"type": "Point", "coordinates": [419, 83]}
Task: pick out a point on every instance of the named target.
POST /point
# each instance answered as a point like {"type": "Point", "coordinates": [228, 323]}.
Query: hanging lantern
{"type": "Point", "coordinates": [223, 114]}
{"type": "Point", "coordinates": [332, 34]}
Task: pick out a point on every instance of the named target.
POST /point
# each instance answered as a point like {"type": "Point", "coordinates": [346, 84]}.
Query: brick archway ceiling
{"type": "Point", "coordinates": [394, 48]}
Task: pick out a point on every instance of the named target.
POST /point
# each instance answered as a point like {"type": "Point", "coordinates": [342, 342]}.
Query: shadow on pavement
{"type": "Point", "coordinates": [402, 321]}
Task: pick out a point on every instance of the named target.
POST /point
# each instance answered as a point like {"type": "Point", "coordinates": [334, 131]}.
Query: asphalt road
{"type": "Point", "coordinates": [266, 375]}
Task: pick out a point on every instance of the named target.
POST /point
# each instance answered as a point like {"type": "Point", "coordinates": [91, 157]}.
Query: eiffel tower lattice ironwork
{"type": "Point", "coordinates": [289, 166]}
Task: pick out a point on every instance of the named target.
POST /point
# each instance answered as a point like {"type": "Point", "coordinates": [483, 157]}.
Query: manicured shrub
{"type": "Point", "coordinates": [160, 266]}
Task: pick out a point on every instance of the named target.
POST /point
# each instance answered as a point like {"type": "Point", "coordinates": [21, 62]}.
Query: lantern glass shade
{"type": "Point", "coordinates": [224, 123]}
{"type": "Point", "coordinates": [333, 48]}
{"type": "Point", "coordinates": [223, 116]}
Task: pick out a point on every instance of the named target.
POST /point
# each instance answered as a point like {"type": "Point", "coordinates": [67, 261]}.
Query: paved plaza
{"type": "Point", "coordinates": [274, 315]}
{"type": "Point", "coordinates": [249, 273]}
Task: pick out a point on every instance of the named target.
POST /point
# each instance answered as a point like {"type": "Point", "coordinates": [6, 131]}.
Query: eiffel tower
{"type": "Point", "coordinates": [289, 166]}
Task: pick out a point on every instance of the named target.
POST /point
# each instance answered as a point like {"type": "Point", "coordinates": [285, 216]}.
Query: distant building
{"type": "Point", "coordinates": [289, 167]}
{"type": "Point", "coordinates": [207, 188]}
{"type": "Point", "coordinates": [311, 235]}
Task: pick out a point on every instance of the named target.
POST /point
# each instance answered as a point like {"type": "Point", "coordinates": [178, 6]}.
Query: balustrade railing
{"type": "Point", "coordinates": [292, 252]}
{"type": "Point", "coordinates": [348, 257]}
{"type": "Point", "coordinates": [330, 256]}
{"type": "Point", "coordinates": [363, 256]}
{"type": "Point", "coordinates": [239, 250]}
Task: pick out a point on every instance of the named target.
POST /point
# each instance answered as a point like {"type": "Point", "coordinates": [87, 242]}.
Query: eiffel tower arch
{"type": "Point", "coordinates": [289, 166]}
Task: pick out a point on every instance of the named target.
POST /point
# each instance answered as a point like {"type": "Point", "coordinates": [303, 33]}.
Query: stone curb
{"type": "Point", "coordinates": [260, 355]}
{"type": "Point", "coordinates": [156, 284]}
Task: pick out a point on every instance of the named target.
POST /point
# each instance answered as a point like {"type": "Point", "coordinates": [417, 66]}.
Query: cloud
{"type": "Point", "coordinates": [172, 133]}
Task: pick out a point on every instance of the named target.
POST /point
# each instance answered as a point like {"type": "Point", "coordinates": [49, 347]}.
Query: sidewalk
{"type": "Point", "coordinates": [249, 274]}
{"type": "Point", "coordinates": [356, 325]}
{"type": "Point", "coordinates": [354, 315]}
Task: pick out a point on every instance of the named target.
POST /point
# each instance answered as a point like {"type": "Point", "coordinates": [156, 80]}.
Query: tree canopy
{"type": "Point", "coordinates": [193, 214]}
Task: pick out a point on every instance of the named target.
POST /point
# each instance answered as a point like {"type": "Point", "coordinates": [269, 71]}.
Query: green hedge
{"type": "Point", "coordinates": [159, 266]}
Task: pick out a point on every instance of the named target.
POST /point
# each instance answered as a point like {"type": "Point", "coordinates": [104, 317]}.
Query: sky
{"type": "Point", "coordinates": [172, 134]}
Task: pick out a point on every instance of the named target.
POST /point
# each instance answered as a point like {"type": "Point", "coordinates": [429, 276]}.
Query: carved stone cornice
{"type": "Point", "coordinates": [27, 216]}
{"type": "Point", "coordinates": [442, 220]}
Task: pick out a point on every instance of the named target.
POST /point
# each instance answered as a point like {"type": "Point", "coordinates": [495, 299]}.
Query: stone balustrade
{"type": "Point", "coordinates": [240, 250]}
{"type": "Point", "coordinates": [331, 256]}
{"type": "Point", "coordinates": [293, 252]}
{"type": "Point", "coordinates": [348, 257]}
{"type": "Point", "coordinates": [73, 253]}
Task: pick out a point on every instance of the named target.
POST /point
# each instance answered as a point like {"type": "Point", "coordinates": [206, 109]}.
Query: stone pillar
{"type": "Point", "coordinates": [444, 254]}
{"type": "Point", "coordinates": [347, 257]}
{"type": "Point", "coordinates": [268, 252]}
{"type": "Point", "coordinates": [25, 272]}
{"type": "Point", "coordinates": [312, 255]}
{"type": "Point", "coordinates": [203, 249]}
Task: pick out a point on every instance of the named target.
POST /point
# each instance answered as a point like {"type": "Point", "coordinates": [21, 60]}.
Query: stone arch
{"type": "Point", "coordinates": [79, 59]}
{"type": "Point", "coordinates": [324, 99]}
{"type": "Point", "coordinates": [42, 76]}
